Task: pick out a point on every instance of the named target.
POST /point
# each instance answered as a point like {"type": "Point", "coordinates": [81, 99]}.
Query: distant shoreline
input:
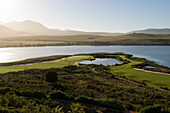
{"type": "Point", "coordinates": [83, 45]}
{"type": "Point", "coordinates": [135, 39]}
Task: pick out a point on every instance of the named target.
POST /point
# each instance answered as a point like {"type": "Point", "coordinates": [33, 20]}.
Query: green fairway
{"type": "Point", "coordinates": [153, 79]}
{"type": "Point", "coordinates": [47, 65]}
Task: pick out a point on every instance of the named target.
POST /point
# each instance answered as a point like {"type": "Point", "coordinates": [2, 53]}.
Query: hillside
{"type": "Point", "coordinates": [59, 84]}
{"type": "Point", "coordinates": [128, 39]}
{"type": "Point", "coordinates": [7, 32]}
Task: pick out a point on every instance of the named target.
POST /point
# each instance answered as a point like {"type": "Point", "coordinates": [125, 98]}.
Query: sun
{"type": "Point", "coordinates": [6, 3]}
{"type": "Point", "coordinates": [8, 9]}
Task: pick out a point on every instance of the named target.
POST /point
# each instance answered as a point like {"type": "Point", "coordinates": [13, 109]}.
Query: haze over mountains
{"type": "Point", "coordinates": [31, 28]}
{"type": "Point", "coordinates": [153, 31]}
{"type": "Point", "coordinates": [7, 32]}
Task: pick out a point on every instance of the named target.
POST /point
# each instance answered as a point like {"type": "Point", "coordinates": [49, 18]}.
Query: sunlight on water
{"type": "Point", "coordinates": [5, 56]}
{"type": "Point", "coordinates": [159, 54]}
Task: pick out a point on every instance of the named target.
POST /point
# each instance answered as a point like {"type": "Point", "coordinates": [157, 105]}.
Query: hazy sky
{"type": "Point", "coordinates": [90, 15]}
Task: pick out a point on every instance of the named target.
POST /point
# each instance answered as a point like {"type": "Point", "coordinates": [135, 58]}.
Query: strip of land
{"type": "Point", "coordinates": [126, 39]}
{"type": "Point", "coordinates": [155, 79]}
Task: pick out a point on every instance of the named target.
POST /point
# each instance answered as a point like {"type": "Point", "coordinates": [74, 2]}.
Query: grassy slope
{"type": "Point", "coordinates": [153, 79]}
{"type": "Point", "coordinates": [47, 65]}
{"type": "Point", "coordinates": [150, 36]}
{"type": "Point", "coordinates": [128, 39]}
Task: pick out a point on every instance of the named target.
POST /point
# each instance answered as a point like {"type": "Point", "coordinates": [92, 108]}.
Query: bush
{"type": "Point", "coordinates": [34, 94]}
{"type": "Point", "coordinates": [77, 108]}
{"type": "Point", "coordinates": [51, 77]}
{"type": "Point", "coordinates": [112, 76]}
{"type": "Point", "coordinates": [110, 103]}
{"type": "Point", "coordinates": [60, 95]}
{"type": "Point", "coordinates": [101, 102]}
{"type": "Point", "coordinates": [84, 99]}
{"type": "Point", "coordinates": [4, 110]}
{"type": "Point", "coordinates": [151, 109]}
{"type": "Point", "coordinates": [3, 91]}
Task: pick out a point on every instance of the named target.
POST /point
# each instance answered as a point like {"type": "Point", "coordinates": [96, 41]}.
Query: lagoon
{"type": "Point", "coordinates": [159, 54]}
{"type": "Point", "coordinates": [103, 61]}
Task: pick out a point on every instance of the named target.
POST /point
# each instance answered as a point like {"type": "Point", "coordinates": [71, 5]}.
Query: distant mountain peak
{"type": "Point", "coordinates": [153, 31]}
{"type": "Point", "coordinates": [27, 26]}
{"type": "Point", "coordinates": [33, 28]}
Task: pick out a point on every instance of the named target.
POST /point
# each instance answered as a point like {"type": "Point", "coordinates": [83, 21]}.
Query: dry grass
{"type": "Point", "coordinates": [128, 39]}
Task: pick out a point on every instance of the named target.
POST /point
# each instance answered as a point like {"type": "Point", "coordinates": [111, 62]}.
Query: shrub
{"type": "Point", "coordinates": [51, 77]}
{"type": "Point", "coordinates": [112, 76]}
{"type": "Point", "coordinates": [12, 101]}
{"type": "Point", "coordinates": [4, 110]}
{"type": "Point", "coordinates": [3, 91]}
{"type": "Point", "coordinates": [60, 95]}
{"type": "Point", "coordinates": [85, 99]}
{"type": "Point", "coordinates": [110, 103]}
{"type": "Point", "coordinates": [151, 109]}
{"type": "Point", "coordinates": [77, 108]}
{"type": "Point", "coordinates": [34, 94]}
{"type": "Point", "coordinates": [101, 102]}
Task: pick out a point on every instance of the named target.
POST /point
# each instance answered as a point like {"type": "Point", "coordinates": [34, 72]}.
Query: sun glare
{"type": "Point", "coordinates": [6, 4]}
{"type": "Point", "coordinates": [8, 8]}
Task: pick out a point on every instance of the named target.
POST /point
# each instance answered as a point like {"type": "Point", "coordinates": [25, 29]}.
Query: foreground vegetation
{"type": "Point", "coordinates": [126, 39]}
{"type": "Point", "coordinates": [92, 86]}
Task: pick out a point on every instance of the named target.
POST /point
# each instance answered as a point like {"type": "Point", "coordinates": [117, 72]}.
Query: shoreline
{"type": "Point", "coordinates": [75, 63]}
{"type": "Point", "coordinates": [35, 62]}
{"type": "Point", "coordinates": [85, 45]}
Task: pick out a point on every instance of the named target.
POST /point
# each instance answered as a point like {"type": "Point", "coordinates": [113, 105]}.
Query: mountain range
{"type": "Point", "coordinates": [153, 31]}
{"type": "Point", "coordinates": [31, 28]}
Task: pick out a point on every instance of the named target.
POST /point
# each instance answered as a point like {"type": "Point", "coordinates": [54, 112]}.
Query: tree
{"type": "Point", "coordinates": [51, 76]}
{"type": "Point", "coordinates": [151, 109]}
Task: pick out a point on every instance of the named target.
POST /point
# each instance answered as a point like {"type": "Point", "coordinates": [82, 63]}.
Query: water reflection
{"type": "Point", "coordinates": [159, 54]}
{"type": "Point", "coordinates": [5, 56]}
{"type": "Point", "coordinates": [103, 61]}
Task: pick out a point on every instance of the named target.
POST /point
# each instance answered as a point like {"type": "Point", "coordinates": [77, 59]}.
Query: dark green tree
{"type": "Point", "coordinates": [51, 76]}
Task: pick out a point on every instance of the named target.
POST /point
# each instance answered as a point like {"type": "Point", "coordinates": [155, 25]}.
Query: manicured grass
{"type": "Point", "coordinates": [153, 79]}
{"type": "Point", "coordinates": [51, 64]}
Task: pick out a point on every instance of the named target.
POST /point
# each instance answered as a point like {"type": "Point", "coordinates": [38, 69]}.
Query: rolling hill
{"type": "Point", "coordinates": [7, 32]}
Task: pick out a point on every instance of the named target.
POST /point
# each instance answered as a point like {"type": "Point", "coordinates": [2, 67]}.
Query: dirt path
{"type": "Point", "coordinates": [151, 71]}
{"type": "Point", "coordinates": [76, 63]}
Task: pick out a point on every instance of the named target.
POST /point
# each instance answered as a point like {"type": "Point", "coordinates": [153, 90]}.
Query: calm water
{"type": "Point", "coordinates": [104, 61]}
{"type": "Point", "coordinates": [150, 67]}
{"type": "Point", "coordinates": [160, 54]}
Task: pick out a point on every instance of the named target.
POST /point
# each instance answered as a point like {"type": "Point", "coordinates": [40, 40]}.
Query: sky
{"type": "Point", "coordinates": [90, 15]}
